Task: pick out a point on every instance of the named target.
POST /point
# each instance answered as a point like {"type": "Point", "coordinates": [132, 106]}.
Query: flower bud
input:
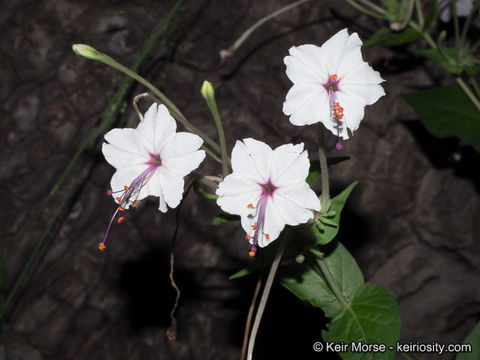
{"type": "Point", "coordinates": [87, 51]}
{"type": "Point", "coordinates": [207, 90]}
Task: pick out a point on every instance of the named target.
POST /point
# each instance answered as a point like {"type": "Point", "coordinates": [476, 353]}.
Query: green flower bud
{"type": "Point", "coordinates": [87, 51]}
{"type": "Point", "coordinates": [207, 91]}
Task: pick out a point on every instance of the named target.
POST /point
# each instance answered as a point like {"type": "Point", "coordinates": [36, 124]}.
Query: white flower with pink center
{"type": "Point", "coordinates": [150, 160]}
{"type": "Point", "coordinates": [331, 84]}
{"type": "Point", "coordinates": [267, 189]}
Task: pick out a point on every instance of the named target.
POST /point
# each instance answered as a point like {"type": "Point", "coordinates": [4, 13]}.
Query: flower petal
{"type": "Point", "coordinates": [124, 176]}
{"type": "Point", "coordinates": [156, 128]}
{"type": "Point", "coordinates": [363, 84]}
{"type": "Point", "coordinates": [353, 112]}
{"type": "Point", "coordinates": [236, 192]}
{"type": "Point", "coordinates": [301, 94]}
{"type": "Point", "coordinates": [303, 65]}
{"type": "Point", "coordinates": [301, 195]}
{"type": "Point", "coordinates": [123, 148]}
{"type": "Point", "coordinates": [273, 226]}
{"type": "Point", "coordinates": [313, 111]}
{"type": "Point", "coordinates": [251, 158]}
{"type": "Point", "coordinates": [172, 187]}
{"type": "Point", "coordinates": [290, 165]}
{"type": "Point", "coordinates": [342, 53]}
{"type": "Point", "coordinates": [181, 155]}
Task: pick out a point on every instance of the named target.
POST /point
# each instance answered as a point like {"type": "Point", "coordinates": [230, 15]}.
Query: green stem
{"type": "Point", "coordinates": [209, 94]}
{"type": "Point", "coordinates": [173, 108]}
{"type": "Point", "coordinates": [322, 158]}
{"type": "Point", "coordinates": [373, 6]}
{"type": "Point", "coordinates": [230, 50]}
{"type": "Point", "coordinates": [421, 19]}
{"type": "Point", "coordinates": [475, 85]}
{"type": "Point", "coordinates": [425, 34]}
{"type": "Point", "coordinates": [264, 298]}
{"type": "Point", "coordinates": [365, 10]}
{"type": "Point", "coordinates": [327, 275]}
{"type": "Point", "coordinates": [468, 92]}
{"type": "Point", "coordinates": [463, 37]}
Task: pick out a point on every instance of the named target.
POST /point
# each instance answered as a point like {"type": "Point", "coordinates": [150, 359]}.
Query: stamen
{"type": "Point", "coordinates": [120, 219]}
{"type": "Point", "coordinates": [247, 237]}
{"type": "Point", "coordinates": [250, 206]}
{"type": "Point", "coordinates": [101, 246]}
{"type": "Point", "coordinates": [125, 187]}
{"type": "Point", "coordinates": [119, 199]}
{"type": "Point", "coordinates": [267, 236]}
{"type": "Point", "coordinates": [333, 77]}
{"type": "Point", "coordinates": [121, 208]}
{"type": "Point", "coordinates": [251, 253]}
{"type": "Point", "coordinates": [254, 227]}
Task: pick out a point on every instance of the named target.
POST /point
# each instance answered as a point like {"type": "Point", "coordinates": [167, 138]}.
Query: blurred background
{"type": "Point", "coordinates": [411, 223]}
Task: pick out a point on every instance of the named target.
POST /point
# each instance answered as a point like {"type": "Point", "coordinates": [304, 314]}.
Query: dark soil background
{"type": "Point", "coordinates": [412, 222]}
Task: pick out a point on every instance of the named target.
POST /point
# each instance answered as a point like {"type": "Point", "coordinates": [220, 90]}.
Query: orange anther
{"type": "Point", "coordinates": [340, 109]}
{"type": "Point", "coordinates": [247, 237]}
{"type": "Point", "coordinates": [120, 219]}
{"type": "Point", "coordinates": [340, 116]}
{"type": "Point", "coordinates": [336, 105]}
{"type": "Point", "coordinates": [250, 206]}
{"type": "Point", "coordinates": [135, 203]}
{"type": "Point", "coordinates": [267, 236]}
{"type": "Point", "coordinates": [101, 246]}
{"type": "Point", "coordinates": [119, 199]}
{"type": "Point", "coordinates": [125, 187]}
{"type": "Point", "coordinates": [254, 227]}
{"type": "Point", "coordinates": [251, 253]}
{"type": "Point", "coordinates": [333, 77]}
{"type": "Point", "coordinates": [121, 208]}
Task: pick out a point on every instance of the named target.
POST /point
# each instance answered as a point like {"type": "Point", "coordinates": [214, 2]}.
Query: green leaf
{"type": "Point", "coordinates": [224, 217]}
{"type": "Point", "coordinates": [472, 339]}
{"type": "Point", "coordinates": [447, 111]}
{"type": "Point", "coordinates": [371, 317]}
{"type": "Point", "coordinates": [386, 37]}
{"type": "Point", "coordinates": [435, 55]}
{"type": "Point", "coordinates": [314, 172]}
{"type": "Point", "coordinates": [325, 234]}
{"type": "Point", "coordinates": [305, 281]}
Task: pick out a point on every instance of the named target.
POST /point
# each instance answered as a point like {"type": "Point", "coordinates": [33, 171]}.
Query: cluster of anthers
{"type": "Point", "coordinates": [338, 113]}
{"type": "Point", "coordinates": [256, 230]}
{"type": "Point", "coordinates": [124, 196]}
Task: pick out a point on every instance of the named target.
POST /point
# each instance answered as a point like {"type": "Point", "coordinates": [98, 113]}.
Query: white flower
{"type": "Point", "coordinates": [464, 7]}
{"type": "Point", "coordinates": [150, 160]}
{"type": "Point", "coordinates": [331, 84]}
{"type": "Point", "coordinates": [267, 189]}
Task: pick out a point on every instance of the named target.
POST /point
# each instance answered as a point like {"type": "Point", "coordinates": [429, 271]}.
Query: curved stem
{"type": "Point", "coordinates": [175, 111]}
{"type": "Point", "coordinates": [365, 10]}
{"type": "Point", "coordinates": [230, 50]}
{"type": "Point", "coordinates": [264, 298]}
